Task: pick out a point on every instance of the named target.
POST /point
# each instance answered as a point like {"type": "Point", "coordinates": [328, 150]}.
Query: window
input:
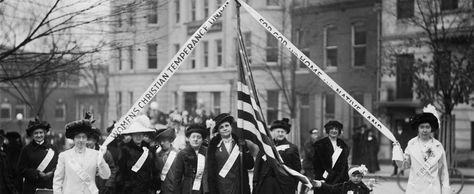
{"type": "Point", "coordinates": [130, 55]}
{"type": "Point", "coordinates": [152, 56]}
{"type": "Point", "coordinates": [329, 106]}
{"type": "Point", "coordinates": [443, 72]}
{"type": "Point", "coordinates": [205, 44]}
{"type": "Point", "coordinates": [273, 2]}
{"type": "Point", "coordinates": [206, 8]}
{"type": "Point", "coordinates": [131, 15]}
{"type": "Point", "coordinates": [119, 50]}
{"type": "Point", "coordinates": [119, 104]}
{"type": "Point", "coordinates": [219, 52]}
{"type": "Point", "coordinates": [272, 105]}
{"type": "Point", "coordinates": [192, 58]}
{"type": "Point", "coordinates": [216, 102]}
{"type": "Point", "coordinates": [305, 51]}
{"type": "Point", "coordinates": [130, 97]}
{"type": "Point", "coordinates": [448, 5]}
{"type": "Point", "coordinates": [152, 12]}
{"type": "Point", "coordinates": [331, 46]}
{"type": "Point", "coordinates": [405, 9]}
{"type": "Point", "coordinates": [305, 115]}
{"type": "Point", "coordinates": [272, 48]}
{"type": "Point", "coordinates": [20, 109]}
{"type": "Point", "coordinates": [5, 111]}
{"type": "Point", "coordinates": [176, 10]}
{"type": "Point", "coordinates": [60, 111]}
{"type": "Point", "coordinates": [357, 119]}
{"type": "Point", "coordinates": [359, 44]}
{"type": "Point", "coordinates": [472, 135]}
{"type": "Point", "coordinates": [248, 45]}
{"type": "Point", "coordinates": [404, 77]}
{"type": "Point", "coordinates": [193, 10]}
{"type": "Point", "coordinates": [118, 16]}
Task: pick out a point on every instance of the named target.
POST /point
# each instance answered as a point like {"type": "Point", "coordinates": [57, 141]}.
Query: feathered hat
{"type": "Point", "coordinates": [80, 126]}
{"type": "Point", "coordinates": [37, 124]}
{"type": "Point", "coordinates": [196, 128]}
{"type": "Point", "coordinates": [141, 124]}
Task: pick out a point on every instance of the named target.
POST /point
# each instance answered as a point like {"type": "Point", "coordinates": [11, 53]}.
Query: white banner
{"type": "Point", "coordinates": [323, 76]}
{"type": "Point", "coordinates": [165, 75]}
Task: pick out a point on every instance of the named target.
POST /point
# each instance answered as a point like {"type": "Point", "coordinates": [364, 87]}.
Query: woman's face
{"type": "Point", "coordinates": [38, 135]}
{"type": "Point", "coordinates": [424, 130]}
{"type": "Point", "coordinates": [165, 144]}
{"type": "Point", "coordinates": [333, 132]}
{"type": "Point", "coordinates": [225, 129]}
{"type": "Point", "coordinates": [280, 134]}
{"type": "Point", "coordinates": [195, 140]}
{"type": "Point", "coordinates": [137, 137]}
{"type": "Point", "coordinates": [80, 140]}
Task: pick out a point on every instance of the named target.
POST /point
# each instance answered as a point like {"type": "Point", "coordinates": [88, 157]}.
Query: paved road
{"type": "Point", "coordinates": [391, 187]}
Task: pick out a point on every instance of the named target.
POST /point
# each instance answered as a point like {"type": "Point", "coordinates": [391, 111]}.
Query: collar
{"type": "Point", "coordinates": [40, 143]}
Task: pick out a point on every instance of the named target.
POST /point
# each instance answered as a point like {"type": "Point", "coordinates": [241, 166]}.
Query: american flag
{"type": "Point", "coordinates": [250, 118]}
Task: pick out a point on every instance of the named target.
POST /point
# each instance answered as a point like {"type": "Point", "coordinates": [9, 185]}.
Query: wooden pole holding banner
{"type": "Point", "coordinates": [397, 151]}
{"type": "Point", "coordinates": [241, 138]}
{"type": "Point", "coordinates": [178, 59]}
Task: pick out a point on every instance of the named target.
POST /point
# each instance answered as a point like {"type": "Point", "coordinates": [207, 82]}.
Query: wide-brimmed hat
{"type": "Point", "coordinates": [196, 128]}
{"type": "Point", "coordinates": [166, 133]}
{"type": "Point", "coordinates": [95, 134]}
{"type": "Point", "coordinates": [141, 124]}
{"type": "Point", "coordinates": [283, 123]}
{"type": "Point", "coordinates": [37, 124]}
{"type": "Point", "coordinates": [424, 118]}
{"type": "Point", "coordinates": [221, 118]}
{"type": "Point", "coordinates": [79, 126]}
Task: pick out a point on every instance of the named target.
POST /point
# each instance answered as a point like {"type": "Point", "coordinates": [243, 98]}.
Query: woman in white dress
{"type": "Point", "coordinates": [426, 159]}
{"type": "Point", "coordinates": [77, 167]}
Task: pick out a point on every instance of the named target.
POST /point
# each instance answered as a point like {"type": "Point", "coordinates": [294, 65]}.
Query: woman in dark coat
{"type": "Point", "coordinates": [332, 172]}
{"type": "Point", "coordinates": [187, 174]}
{"type": "Point", "coordinates": [137, 169]}
{"type": "Point", "coordinates": [38, 159]}
{"type": "Point", "coordinates": [6, 184]}
{"type": "Point", "coordinates": [221, 148]}
{"type": "Point", "coordinates": [288, 151]}
{"type": "Point", "coordinates": [370, 151]}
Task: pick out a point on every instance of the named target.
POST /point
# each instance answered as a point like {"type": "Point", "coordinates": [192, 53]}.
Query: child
{"type": "Point", "coordinates": [353, 186]}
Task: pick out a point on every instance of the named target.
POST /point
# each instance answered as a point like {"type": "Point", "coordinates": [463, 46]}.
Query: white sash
{"type": "Point", "coordinates": [199, 172]}
{"type": "Point", "coordinates": [335, 155]}
{"type": "Point", "coordinates": [282, 147]}
{"type": "Point", "coordinates": [230, 162]}
{"type": "Point", "coordinates": [136, 167]}
{"type": "Point", "coordinates": [84, 176]}
{"type": "Point", "coordinates": [167, 165]}
{"type": "Point", "coordinates": [46, 160]}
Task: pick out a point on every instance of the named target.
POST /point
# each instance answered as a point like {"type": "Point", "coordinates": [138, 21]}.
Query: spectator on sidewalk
{"type": "Point", "coordinates": [358, 144]}
{"type": "Point", "coordinates": [6, 184]}
{"type": "Point", "coordinates": [370, 152]}
{"type": "Point", "coordinates": [308, 156]}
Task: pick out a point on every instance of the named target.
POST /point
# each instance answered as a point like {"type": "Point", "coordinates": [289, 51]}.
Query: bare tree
{"type": "Point", "coordinates": [444, 75]}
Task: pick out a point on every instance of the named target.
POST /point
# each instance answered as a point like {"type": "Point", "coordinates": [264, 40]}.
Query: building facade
{"type": "Point", "coordinates": [341, 37]}
{"type": "Point", "coordinates": [405, 45]}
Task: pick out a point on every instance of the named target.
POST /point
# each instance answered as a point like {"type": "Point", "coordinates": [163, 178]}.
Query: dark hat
{"type": "Point", "coordinates": [283, 123]}
{"type": "Point", "coordinates": [166, 133]}
{"type": "Point", "coordinates": [424, 118]}
{"type": "Point", "coordinates": [331, 124]}
{"type": "Point", "coordinates": [37, 124]}
{"type": "Point", "coordinates": [95, 134]}
{"type": "Point", "coordinates": [221, 118]}
{"type": "Point", "coordinates": [196, 128]}
{"type": "Point", "coordinates": [109, 128]}
{"type": "Point", "coordinates": [80, 126]}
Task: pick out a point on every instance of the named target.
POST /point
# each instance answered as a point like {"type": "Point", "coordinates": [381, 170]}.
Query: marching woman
{"type": "Point", "coordinates": [223, 159]}
{"type": "Point", "coordinates": [77, 167]}
{"type": "Point", "coordinates": [288, 151]}
{"type": "Point", "coordinates": [187, 174]}
{"type": "Point", "coordinates": [38, 159]}
{"type": "Point", "coordinates": [426, 159]}
{"type": "Point", "coordinates": [137, 167]}
{"type": "Point", "coordinates": [165, 155]}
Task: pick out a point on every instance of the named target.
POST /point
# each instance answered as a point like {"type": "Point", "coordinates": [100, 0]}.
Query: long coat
{"type": "Point", "coordinates": [181, 176]}
{"type": "Point", "coordinates": [6, 184]}
{"type": "Point", "coordinates": [343, 188]}
{"type": "Point", "coordinates": [30, 158]}
{"type": "Point", "coordinates": [144, 180]}
{"type": "Point", "coordinates": [217, 156]}
{"type": "Point", "coordinates": [67, 181]}
{"type": "Point", "coordinates": [160, 161]}
{"type": "Point", "coordinates": [323, 151]}
{"type": "Point", "coordinates": [436, 179]}
{"type": "Point", "coordinates": [270, 177]}
{"type": "Point", "coordinates": [291, 157]}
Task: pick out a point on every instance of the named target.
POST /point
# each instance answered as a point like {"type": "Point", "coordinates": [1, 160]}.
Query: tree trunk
{"type": "Point", "coordinates": [446, 137]}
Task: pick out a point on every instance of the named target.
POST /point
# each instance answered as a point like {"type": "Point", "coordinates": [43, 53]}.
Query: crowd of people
{"type": "Point", "coordinates": [174, 154]}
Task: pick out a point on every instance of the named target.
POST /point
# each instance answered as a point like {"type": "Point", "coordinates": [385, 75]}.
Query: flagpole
{"type": "Point", "coordinates": [241, 138]}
